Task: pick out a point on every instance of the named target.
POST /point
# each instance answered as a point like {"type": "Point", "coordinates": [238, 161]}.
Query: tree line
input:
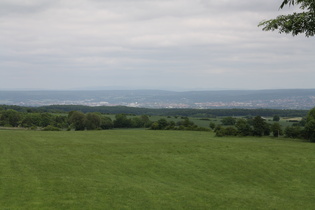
{"type": "Point", "coordinates": [230, 126]}
{"type": "Point", "coordinates": [258, 126]}
{"type": "Point", "coordinates": [77, 120]}
{"type": "Point", "coordinates": [184, 124]}
{"type": "Point", "coordinates": [161, 112]}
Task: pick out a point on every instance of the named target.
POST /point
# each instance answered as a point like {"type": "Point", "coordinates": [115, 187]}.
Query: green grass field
{"type": "Point", "coordinates": [143, 169]}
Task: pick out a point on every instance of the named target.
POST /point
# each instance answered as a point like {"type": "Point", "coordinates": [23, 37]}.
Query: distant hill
{"type": "Point", "coordinates": [274, 99]}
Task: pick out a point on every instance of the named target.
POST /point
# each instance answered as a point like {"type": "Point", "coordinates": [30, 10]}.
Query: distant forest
{"type": "Point", "coordinates": [160, 112]}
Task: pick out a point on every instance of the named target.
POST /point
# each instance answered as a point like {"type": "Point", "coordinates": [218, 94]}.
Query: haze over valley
{"type": "Point", "coordinates": [274, 99]}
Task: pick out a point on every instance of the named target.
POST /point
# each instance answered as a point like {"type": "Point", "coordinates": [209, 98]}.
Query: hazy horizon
{"type": "Point", "coordinates": [174, 89]}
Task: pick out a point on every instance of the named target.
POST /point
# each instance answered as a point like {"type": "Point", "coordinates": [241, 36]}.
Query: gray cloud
{"type": "Point", "coordinates": [21, 8]}
{"type": "Point", "coordinates": [148, 43]}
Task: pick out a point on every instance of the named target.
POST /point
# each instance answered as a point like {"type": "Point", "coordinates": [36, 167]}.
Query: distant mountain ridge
{"type": "Point", "coordinates": [275, 99]}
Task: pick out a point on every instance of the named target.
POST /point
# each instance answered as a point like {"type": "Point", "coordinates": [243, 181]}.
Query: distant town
{"type": "Point", "coordinates": [274, 99]}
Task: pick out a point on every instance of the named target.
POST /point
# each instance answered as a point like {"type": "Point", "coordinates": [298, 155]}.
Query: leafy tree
{"type": "Point", "coordinates": [302, 122]}
{"type": "Point", "coordinates": [31, 119]}
{"type": "Point", "coordinates": [155, 126]}
{"type": "Point", "coordinates": [227, 131]}
{"type": "Point", "coordinates": [146, 121]}
{"type": "Point", "coordinates": [172, 123]}
{"type": "Point", "coordinates": [93, 121]}
{"type": "Point", "coordinates": [186, 122]}
{"type": "Point", "coordinates": [106, 122]}
{"type": "Point", "coordinates": [121, 121]}
{"type": "Point", "coordinates": [45, 119]}
{"type": "Point", "coordinates": [261, 128]}
{"type": "Point", "coordinates": [60, 121]}
{"type": "Point", "coordinates": [310, 125]}
{"type": "Point", "coordinates": [228, 121]}
{"type": "Point", "coordinates": [293, 132]}
{"type": "Point", "coordinates": [77, 120]}
{"type": "Point", "coordinates": [296, 23]}
{"type": "Point", "coordinates": [136, 122]}
{"type": "Point", "coordinates": [310, 130]}
{"type": "Point", "coordinates": [217, 127]}
{"type": "Point", "coordinates": [276, 118]}
{"type": "Point", "coordinates": [10, 117]}
{"type": "Point", "coordinates": [171, 126]}
{"type": "Point", "coordinates": [212, 125]}
{"type": "Point", "coordinates": [276, 129]}
{"type": "Point", "coordinates": [162, 123]}
{"type": "Point", "coordinates": [243, 127]}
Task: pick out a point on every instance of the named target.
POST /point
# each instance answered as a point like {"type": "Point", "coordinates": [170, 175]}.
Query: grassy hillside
{"type": "Point", "coordinates": [140, 169]}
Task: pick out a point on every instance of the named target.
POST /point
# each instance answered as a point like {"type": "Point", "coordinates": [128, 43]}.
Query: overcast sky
{"type": "Point", "coordinates": [149, 44]}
